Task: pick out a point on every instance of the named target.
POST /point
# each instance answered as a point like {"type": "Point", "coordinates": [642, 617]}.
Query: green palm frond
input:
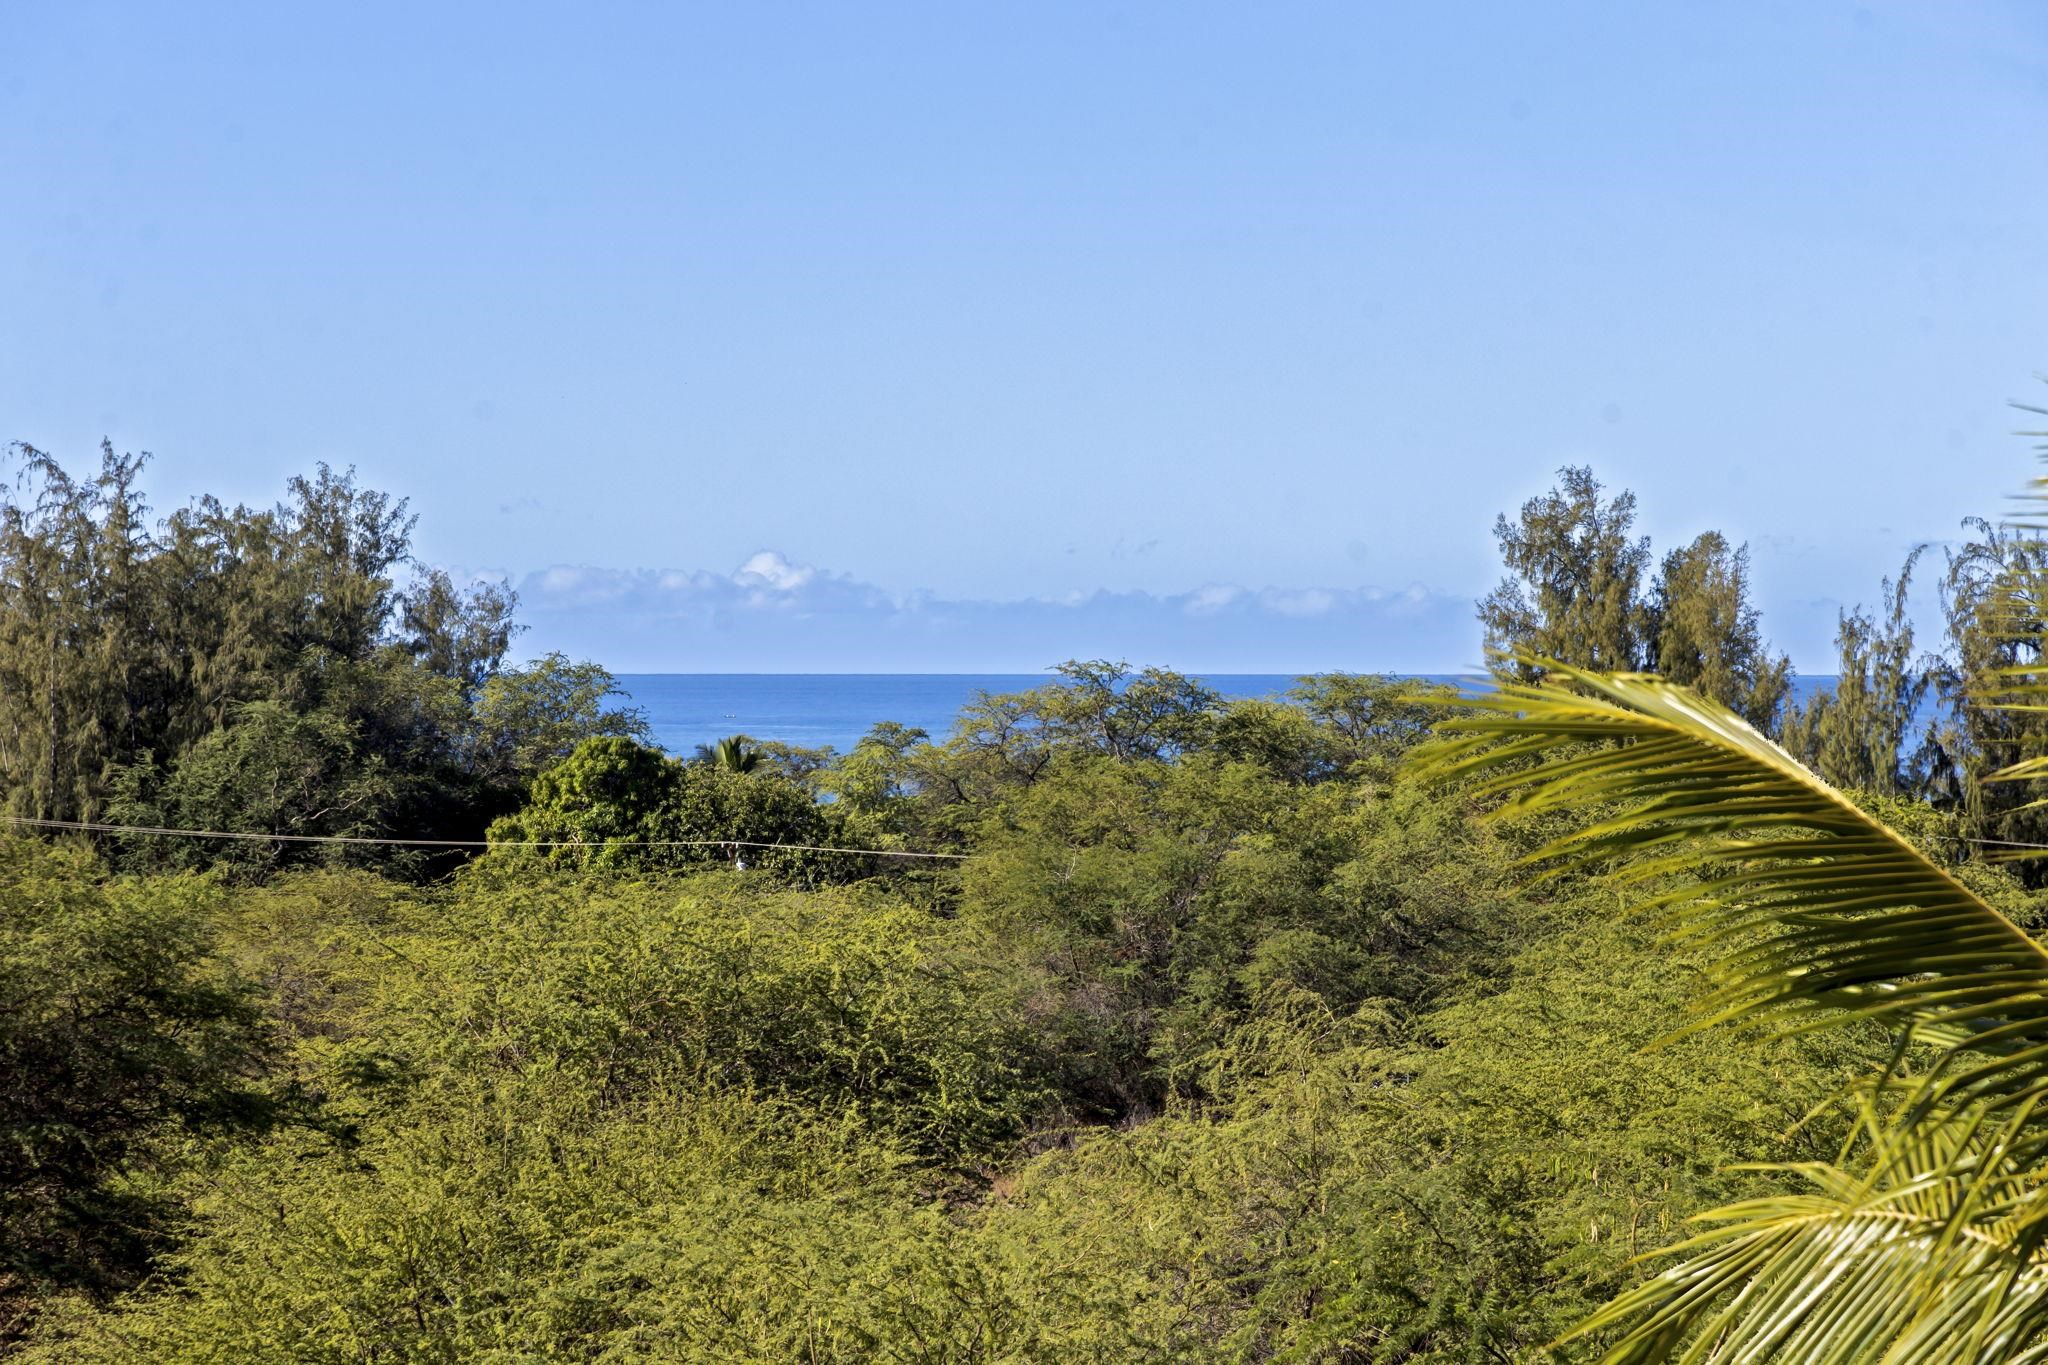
{"type": "Point", "coordinates": [1928, 1249]}
{"type": "Point", "coordinates": [1928, 1255]}
{"type": "Point", "coordinates": [2017, 614]}
{"type": "Point", "coordinates": [1812, 910]}
{"type": "Point", "coordinates": [732, 755]}
{"type": "Point", "coordinates": [2021, 689]}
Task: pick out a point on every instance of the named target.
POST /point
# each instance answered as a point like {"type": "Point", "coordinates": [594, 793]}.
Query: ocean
{"type": "Point", "coordinates": [688, 709]}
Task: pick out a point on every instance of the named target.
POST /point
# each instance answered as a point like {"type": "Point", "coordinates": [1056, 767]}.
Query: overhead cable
{"type": "Point", "coordinates": [91, 827]}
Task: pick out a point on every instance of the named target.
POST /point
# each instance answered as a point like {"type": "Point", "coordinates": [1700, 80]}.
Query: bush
{"type": "Point", "coordinates": [622, 806]}
{"type": "Point", "coordinates": [119, 1032]}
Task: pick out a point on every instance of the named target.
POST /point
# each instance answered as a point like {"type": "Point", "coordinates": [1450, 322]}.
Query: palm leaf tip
{"type": "Point", "coordinates": [1927, 1252]}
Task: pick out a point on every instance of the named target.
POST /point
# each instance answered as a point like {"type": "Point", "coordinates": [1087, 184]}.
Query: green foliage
{"type": "Point", "coordinates": [1372, 720]}
{"type": "Point", "coordinates": [522, 1220]}
{"type": "Point", "coordinates": [875, 776]}
{"type": "Point", "coordinates": [1156, 904]}
{"type": "Point", "coordinates": [1229, 1039]}
{"type": "Point", "coordinates": [576, 1116]}
{"type": "Point", "coordinates": [1333, 725]}
{"type": "Point", "coordinates": [1463, 1186]}
{"type": "Point", "coordinates": [1283, 740]}
{"type": "Point", "coordinates": [611, 794]}
{"type": "Point", "coordinates": [119, 1033]}
{"type": "Point", "coordinates": [1993, 748]}
{"type": "Point", "coordinates": [753, 810]}
{"type": "Point", "coordinates": [1708, 635]}
{"type": "Point", "coordinates": [1105, 707]}
{"type": "Point", "coordinates": [456, 633]}
{"type": "Point", "coordinates": [597, 1119]}
{"type": "Point", "coordinates": [806, 765]}
{"type": "Point", "coordinates": [1859, 902]}
{"type": "Point", "coordinates": [618, 804]}
{"type": "Point", "coordinates": [360, 689]}
{"type": "Point", "coordinates": [1915, 1243]}
{"type": "Point", "coordinates": [269, 770]}
{"type": "Point", "coordinates": [1003, 743]}
{"type": "Point", "coordinates": [731, 754]}
{"type": "Point", "coordinates": [529, 718]}
{"type": "Point", "coordinates": [1575, 592]}
{"type": "Point", "coordinates": [1856, 734]}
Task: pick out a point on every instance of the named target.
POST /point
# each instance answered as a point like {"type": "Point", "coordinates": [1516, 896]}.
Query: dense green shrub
{"type": "Point", "coordinates": [616, 804]}
{"type": "Point", "coordinates": [1247, 1051]}
{"type": "Point", "coordinates": [1155, 903]}
{"type": "Point", "coordinates": [120, 1035]}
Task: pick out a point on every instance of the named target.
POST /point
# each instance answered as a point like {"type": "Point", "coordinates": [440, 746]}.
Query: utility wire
{"type": "Point", "coordinates": [1992, 843]}
{"type": "Point", "coordinates": [89, 827]}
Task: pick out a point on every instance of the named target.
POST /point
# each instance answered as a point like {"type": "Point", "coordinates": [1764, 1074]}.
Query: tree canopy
{"type": "Point", "coordinates": [1298, 1029]}
{"type": "Point", "coordinates": [289, 670]}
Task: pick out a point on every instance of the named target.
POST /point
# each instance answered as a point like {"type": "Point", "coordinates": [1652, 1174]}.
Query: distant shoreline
{"type": "Point", "coordinates": [812, 710]}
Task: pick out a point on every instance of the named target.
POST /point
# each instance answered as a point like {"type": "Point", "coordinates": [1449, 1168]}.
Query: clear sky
{"type": "Point", "coordinates": [874, 336]}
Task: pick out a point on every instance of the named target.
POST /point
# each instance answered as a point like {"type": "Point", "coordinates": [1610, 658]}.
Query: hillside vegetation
{"type": "Point", "coordinates": [1227, 1038]}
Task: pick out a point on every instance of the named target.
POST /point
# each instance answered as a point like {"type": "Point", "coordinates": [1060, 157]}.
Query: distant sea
{"type": "Point", "coordinates": [688, 709]}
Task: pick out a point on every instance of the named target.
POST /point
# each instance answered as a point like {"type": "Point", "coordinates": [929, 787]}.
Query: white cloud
{"type": "Point", "coordinates": [775, 614]}
{"type": "Point", "coordinates": [1211, 598]}
{"type": "Point", "coordinates": [771, 568]}
{"type": "Point", "coordinates": [1306, 602]}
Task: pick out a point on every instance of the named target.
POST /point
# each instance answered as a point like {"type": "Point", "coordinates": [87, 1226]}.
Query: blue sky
{"type": "Point", "coordinates": [969, 337]}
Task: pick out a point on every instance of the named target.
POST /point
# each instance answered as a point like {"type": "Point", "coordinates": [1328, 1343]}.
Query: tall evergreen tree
{"type": "Point", "coordinates": [1858, 734]}
{"type": "Point", "coordinates": [233, 642]}
{"type": "Point", "coordinates": [1995, 608]}
{"type": "Point", "coordinates": [1573, 589]}
{"type": "Point", "coordinates": [1577, 591]}
{"type": "Point", "coordinates": [76, 634]}
{"type": "Point", "coordinates": [1705, 631]}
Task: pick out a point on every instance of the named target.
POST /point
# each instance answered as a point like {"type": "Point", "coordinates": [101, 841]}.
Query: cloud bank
{"type": "Point", "coordinates": [773, 615]}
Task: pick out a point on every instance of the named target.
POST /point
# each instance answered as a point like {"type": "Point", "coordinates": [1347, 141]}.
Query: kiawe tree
{"type": "Point", "coordinates": [121, 1037]}
{"type": "Point", "coordinates": [1149, 713]}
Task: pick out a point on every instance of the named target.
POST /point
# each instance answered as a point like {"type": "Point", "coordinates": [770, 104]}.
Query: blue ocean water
{"type": "Point", "coordinates": [688, 709]}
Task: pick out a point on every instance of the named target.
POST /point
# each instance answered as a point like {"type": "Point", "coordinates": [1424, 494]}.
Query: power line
{"type": "Point", "coordinates": [89, 827]}
{"type": "Point", "coordinates": [1992, 843]}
